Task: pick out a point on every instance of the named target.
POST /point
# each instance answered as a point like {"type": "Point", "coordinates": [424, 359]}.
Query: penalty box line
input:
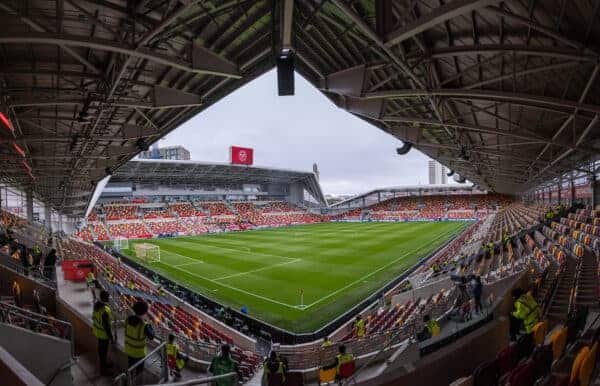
{"type": "Point", "coordinates": [258, 269]}
{"type": "Point", "coordinates": [235, 288]}
{"type": "Point", "coordinates": [302, 307]}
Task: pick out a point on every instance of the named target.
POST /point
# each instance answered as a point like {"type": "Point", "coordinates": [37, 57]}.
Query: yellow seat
{"type": "Point", "coordinates": [587, 366]}
{"type": "Point", "coordinates": [559, 341]}
{"type": "Point", "coordinates": [575, 369]}
{"type": "Point", "coordinates": [326, 376]}
{"type": "Point", "coordinates": [539, 332]}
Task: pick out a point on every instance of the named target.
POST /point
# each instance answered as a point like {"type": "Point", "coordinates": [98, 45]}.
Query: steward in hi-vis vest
{"type": "Point", "coordinates": [101, 327]}
{"type": "Point", "coordinates": [137, 334]}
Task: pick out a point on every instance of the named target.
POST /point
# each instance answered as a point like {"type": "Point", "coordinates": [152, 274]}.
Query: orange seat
{"type": "Point", "coordinates": [326, 376]}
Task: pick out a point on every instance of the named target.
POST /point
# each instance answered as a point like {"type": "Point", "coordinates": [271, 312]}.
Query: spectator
{"type": "Point", "coordinates": [526, 309]}
{"type": "Point", "coordinates": [359, 327]}
{"type": "Point", "coordinates": [101, 326]}
{"type": "Point", "coordinates": [137, 333]}
{"type": "Point", "coordinates": [16, 292]}
{"type": "Point", "coordinates": [430, 329]}
{"type": "Point", "coordinates": [340, 359]}
{"type": "Point", "coordinates": [175, 359]}
{"type": "Point", "coordinates": [223, 364]}
{"type": "Point", "coordinates": [49, 263]}
{"type": "Point", "coordinates": [274, 369]}
{"type": "Point", "coordinates": [477, 289]}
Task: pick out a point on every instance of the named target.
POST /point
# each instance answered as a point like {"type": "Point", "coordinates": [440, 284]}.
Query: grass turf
{"type": "Point", "coordinates": [336, 264]}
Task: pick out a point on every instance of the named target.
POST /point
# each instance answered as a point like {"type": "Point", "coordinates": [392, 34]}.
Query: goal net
{"type": "Point", "coordinates": [121, 243]}
{"type": "Point", "coordinates": [147, 252]}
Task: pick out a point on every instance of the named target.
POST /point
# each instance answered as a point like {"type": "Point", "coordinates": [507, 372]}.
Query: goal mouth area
{"type": "Point", "coordinates": [147, 252]}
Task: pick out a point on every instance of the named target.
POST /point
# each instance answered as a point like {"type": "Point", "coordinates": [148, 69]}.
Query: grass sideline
{"type": "Point", "coordinates": [337, 265]}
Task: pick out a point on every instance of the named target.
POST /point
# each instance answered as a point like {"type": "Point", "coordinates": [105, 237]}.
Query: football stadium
{"type": "Point", "coordinates": [125, 263]}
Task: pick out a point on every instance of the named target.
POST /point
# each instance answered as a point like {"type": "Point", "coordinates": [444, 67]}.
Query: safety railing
{"type": "Point", "coordinates": [155, 363]}
{"type": "Point", "coordinates": [232, 377]}
{"type": "Point", "coordinates": [35, 274]}
{"type": "Point", "coordinates": [35, 322]}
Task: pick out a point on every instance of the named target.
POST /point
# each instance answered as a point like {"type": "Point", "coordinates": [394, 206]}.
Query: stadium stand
{"type": "Point", "coordinates": [504, 94]}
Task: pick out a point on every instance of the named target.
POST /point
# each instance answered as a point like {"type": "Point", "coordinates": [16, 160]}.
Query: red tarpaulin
{"type": "Point", "coordinates": [76, 270]}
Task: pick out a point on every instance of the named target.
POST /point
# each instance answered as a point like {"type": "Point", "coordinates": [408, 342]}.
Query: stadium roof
{"type": "Point", "coordinates": [503, 92]}
{"type": "Point", "coordinates": [192, 172]}
{"type": "Point", "coordinates": [428, 189]}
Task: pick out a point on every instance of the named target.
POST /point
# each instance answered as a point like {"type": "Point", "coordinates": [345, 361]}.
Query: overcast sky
{"type": "Point", "coordinates": [293, 132]}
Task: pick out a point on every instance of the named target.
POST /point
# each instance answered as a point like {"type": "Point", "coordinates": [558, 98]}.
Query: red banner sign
{"type": "Point", "coordinates": [242, 155]}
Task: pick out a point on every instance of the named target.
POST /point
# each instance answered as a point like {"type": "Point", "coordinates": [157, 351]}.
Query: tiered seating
{"type": "Point", "coordinates": [561, 356]}
{"type": "Point", "coordinates": [120, 212]}
{"type": "Point", "coordinates": [185, 209]}
{"type": "Point", "coordinates": [85, 234]}
{"type": "Point", "coordinates": [279, 206]}
{"type": "Point", "coordinates": [100, 231]}
{"type": "Point", "coordinates": [93, 216]}
{"type": "Point", "coordinates": [166, 227]}
{"type": "Point", "coordinates": [158, 214]}
{"type": "Point", "coordinates": [184, 322]}
{"type": "Point", "coordinates": [216, 209]}
{"type": "Point", "coordinates": [130, 230]}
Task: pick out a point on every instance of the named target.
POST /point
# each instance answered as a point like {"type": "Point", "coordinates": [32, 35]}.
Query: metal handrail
{"type": "Point", "coordinates": [201, 381]}
{"type": "Point", "coordinates": [6, 310]}
{"type": "Point", "coordinates": [127, 374]}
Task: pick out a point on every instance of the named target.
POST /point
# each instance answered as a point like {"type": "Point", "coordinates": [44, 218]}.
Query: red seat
{"type": "Point", "coordinates": [347, 369]}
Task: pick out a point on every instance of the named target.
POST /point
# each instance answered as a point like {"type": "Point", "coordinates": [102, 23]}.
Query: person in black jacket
{"type": "Point", "coordinates": [49, 263]}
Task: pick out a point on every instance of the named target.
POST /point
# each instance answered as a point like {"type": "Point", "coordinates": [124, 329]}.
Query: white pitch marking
{"type": "Point", "coordinates": [258, 269]}
{"type": "Point", "coordinates": [238, 250]}
{"type": "Point", "coordinates": [374, 272]}
{"type": "Point", "coordinates": [186, 264]}
{"type": "Point", "coordinates": [237, 289]}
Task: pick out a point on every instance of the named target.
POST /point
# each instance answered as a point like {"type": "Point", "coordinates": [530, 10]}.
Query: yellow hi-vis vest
{"type": "Point", "coordinates": [90, 278]}
{"type": "Point", "coordinates": [433, 327]}
{"type": "Point", "coordinates": [280, 369]}
{"type": "Point", "coordinates": [326, 343]}
{"type": "Point", "coordinates": [343, 358]}
{"type": "Point", "coordinates": [172, 351]}
{"type": "Point", "coordinates": [527, 309]}
{"type": "Point", "coordinates": [360, 328]}
{"type": "Point", "coordinates": [135, 340]}
{"type": "Point", "coordinates": [97, 326]}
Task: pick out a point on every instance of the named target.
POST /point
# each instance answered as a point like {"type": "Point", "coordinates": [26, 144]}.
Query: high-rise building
{"type": "Point", "coordinates": [432, 172]}
{"type": "Point", "coordinates": [169, 152]}
{"type": "Point", "coordinates": [443, 176]}
{"type": "Point", "coordinates": [437, 173]}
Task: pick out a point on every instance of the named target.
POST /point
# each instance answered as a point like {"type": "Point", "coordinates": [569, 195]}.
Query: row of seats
{"type": "Point", "coordinates": [561, 357]}
{"type": "Point", "coordinates": [177, 319]}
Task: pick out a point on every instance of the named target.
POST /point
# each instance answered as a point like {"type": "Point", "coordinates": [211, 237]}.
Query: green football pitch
{"type": "Point", "coordinates": [336, 265]}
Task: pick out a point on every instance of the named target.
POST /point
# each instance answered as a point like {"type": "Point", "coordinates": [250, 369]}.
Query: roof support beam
{"type": "Point", "coordinates": [437, 16]}
{"type": "Point", "coordinates": [37, 27]}
{"type": "Point", "coordinates": [287, 19]}
{"type": "Point", "coordinates": [490, 49]}
{"type": "Point", "coordinates": [485, 95]}
{"type": "Point", "coordinates": [104, 45]}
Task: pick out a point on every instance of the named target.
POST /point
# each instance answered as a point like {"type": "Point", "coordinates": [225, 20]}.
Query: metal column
{"type": "Point", "coordinates": [29, 204]}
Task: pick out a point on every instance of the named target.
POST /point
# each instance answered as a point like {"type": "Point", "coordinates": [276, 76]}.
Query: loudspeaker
{"type": "Point", "coordinates": [285, 75]}
{"type": "Point", "coordinates": [404, 149]}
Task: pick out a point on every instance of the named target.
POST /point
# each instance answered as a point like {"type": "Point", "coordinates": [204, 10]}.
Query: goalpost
{"type": "Point", "coordinates": [147, 252]}
{"type": "Point", "coordinates": [121, 243]}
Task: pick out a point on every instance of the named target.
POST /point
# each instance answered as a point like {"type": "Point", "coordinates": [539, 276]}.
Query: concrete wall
{"type": "Point", "coordinates": [42, 355]}
{"type": "Point", "coordinates": [13, 373]}
{"type": "Point", "coordinates": [47, 294]}
{"type": "Point", "coordinates": [441, 367]}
